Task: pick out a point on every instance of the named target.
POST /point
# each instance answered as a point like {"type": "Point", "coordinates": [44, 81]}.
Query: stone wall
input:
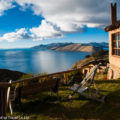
{"type": "Point", "coordinates": [114, 60]}
{"type": "Point", "coordinates": [113, 72]}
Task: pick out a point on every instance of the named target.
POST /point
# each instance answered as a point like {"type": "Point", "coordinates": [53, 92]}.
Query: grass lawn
{"type": "Point", "coordinates": [44, 107]}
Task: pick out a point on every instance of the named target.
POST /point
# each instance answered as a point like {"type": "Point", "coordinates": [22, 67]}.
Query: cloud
{"type": "Point", "coordinates": [44, 31]}
{"type": "Point", "coordinates": [71, 15]}
{"type": "Point", "coordinates": [5, 5]}
{"type": "Point", "coordinates": [19, 34]}
{"type": "Point", "coordinates": [64, 16]}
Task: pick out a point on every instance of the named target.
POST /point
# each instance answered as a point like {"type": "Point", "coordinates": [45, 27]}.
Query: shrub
{"type": "Point", "coordinates": [77, 76]}
{"type": "Point", "coordinates": [31, 81]}
{"type": "Point", "coordinates": [87, 56]}
{"type": "Point", "coordinates": [100, 54]}
{"type": "Point", "coordinates": [25, 77]}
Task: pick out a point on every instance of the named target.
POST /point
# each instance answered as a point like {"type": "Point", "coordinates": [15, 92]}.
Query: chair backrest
{"type": "Point", "coordinates": [8, 94]}
{"type": "Point", "coordinates": [90, 75]}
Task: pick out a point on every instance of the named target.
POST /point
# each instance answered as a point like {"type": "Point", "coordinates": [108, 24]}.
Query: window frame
{"type": "Point", "coordinates": [116, 44]}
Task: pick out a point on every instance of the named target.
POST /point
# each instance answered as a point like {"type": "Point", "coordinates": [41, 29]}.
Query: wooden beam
{"type": "Point", "coordinates": [57, 73]}
{"type": "Point", "coordinates": [3, 99]}
{"type": "Point", "coordinates": [43, 76]}
{"type": "Point", "coordinates": [6, 85]}
{"type": "Point", "coordinates": [0, 103]}
{"type": "Point", "coordinates": [65, 78]}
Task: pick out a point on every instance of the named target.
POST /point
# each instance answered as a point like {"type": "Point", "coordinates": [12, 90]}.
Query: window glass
{"type": "Point", "coordinates": [114, 52]}
{"type": "Point", "coordinates": [119, 43]}
{"type": "Point", "coordinates": [113, 37]}
{"type": "Point", "coordinates": [119, 52]}
{"type": "Point", "coordinates": [116, 44]}
{"type": "Point", "coordinates": [119, 40]}
{"type": "Point", "coordinates": [119, 35]}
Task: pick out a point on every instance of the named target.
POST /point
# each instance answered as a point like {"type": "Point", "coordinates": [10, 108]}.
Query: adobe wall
{"type": "Point", "coordinates": [114, 70]}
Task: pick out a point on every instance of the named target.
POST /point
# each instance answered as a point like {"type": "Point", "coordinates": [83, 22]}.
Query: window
{"type": "Point", "coordinates": [116, 44]}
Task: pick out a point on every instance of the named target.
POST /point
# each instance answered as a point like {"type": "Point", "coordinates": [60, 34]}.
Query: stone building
{"type": "Point", "coordinates": [101, 69]}
{"type": "Point", "coordinates": [114, 44]}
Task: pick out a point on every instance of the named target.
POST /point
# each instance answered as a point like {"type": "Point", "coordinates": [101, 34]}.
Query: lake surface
{"type": "Point", "coordinates": [38, 61]}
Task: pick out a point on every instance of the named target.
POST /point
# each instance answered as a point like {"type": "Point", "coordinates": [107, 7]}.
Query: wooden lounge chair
{"type": "Point", "coordinates": [84, 88]}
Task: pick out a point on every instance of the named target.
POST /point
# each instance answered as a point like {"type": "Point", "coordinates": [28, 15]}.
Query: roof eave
{"type": "Point", "coordinates": [113, 26]}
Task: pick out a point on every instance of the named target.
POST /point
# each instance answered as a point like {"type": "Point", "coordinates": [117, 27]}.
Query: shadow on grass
{"type": "Point", "coordinates": [107, 81]}
{"type": "Point", "coordinates": [78, 108]}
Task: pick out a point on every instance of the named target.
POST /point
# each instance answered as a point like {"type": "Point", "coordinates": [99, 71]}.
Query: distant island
{"type": "Point", "coordinates": [79, 47]}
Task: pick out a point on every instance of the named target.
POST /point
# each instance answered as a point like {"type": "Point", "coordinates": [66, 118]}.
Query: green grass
{"type": "Point", "coordinates": [45, 107]}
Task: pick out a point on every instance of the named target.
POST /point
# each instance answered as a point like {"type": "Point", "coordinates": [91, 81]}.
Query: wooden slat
{"type": "Point", "coordinates": [3, 97]}
{"type": "Point", "coordinates": [65, 78]}
{"type": "Point", "coordinates": [46, 85]}
{"type": "Point", "coordinates": [117, 48]}
{"type": "Point", "coordinates": [0, 103]}
{"type": "Point", "coordinates": [3, 84]}
{"type": "Point", "coordinates": [43, 76]}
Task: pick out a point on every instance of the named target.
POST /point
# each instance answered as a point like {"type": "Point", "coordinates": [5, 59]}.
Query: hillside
{"type": "Point", "coordinates": [88, 47]}
{"type": "Point", "coordinates": [77, 47]}
{"type": "Point", "coordinates": [102, 54]}
{"type": "Point", "coordinates": [51, 46]}
{"type": "Point", "coordinates": [101, 45]}
{"type": "Point", "coordinates": [79, 63]}
{"type": "Point", "coordinates": [6, 75]}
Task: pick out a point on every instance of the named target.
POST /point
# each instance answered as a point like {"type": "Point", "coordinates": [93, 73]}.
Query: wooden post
{"type": "Point", "coordinates": [3, 101]}
{"type": "Point", "coordinates": [65, 78]}
{"type": "Point", "coordinates": [0, 103]}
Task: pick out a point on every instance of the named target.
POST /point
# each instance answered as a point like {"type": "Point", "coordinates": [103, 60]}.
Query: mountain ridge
{"type": "Point", "coordinates": [79, 47]}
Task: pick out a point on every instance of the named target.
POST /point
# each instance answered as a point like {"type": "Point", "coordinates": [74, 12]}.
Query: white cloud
{"type": "Point", "coordinates": [71, 15]}
{"type": "Point", "coordinates": [64, 16]}
{"type": "Point", "coordinates": [5, 5]}
{"type": "Point", "coordinates": [19, 34]}
{"type": "Point", "coordinates": [45, 30]}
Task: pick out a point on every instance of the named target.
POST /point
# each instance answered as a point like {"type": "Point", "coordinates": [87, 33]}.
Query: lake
{"type": "Point", "coordinates": [38, 61]}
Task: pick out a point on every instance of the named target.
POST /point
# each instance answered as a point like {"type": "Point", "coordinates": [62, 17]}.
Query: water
{"type": "Point", "coordinates": [38, 61]}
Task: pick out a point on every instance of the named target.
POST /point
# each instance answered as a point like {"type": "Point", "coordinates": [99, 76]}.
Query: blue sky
{"type": "Point", "coordinates": [26, 24]}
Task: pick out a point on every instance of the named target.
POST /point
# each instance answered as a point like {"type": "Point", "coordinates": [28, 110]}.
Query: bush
{"type": "Point", "coordinates": [100, 54]}
{"type": "Point", "coordinates": [31, 81]}
{"type": "Point", "coordinates": [87, 56]}
{"type": "Point", "coordinates": [77, 77]}
{"type": "Point", "coordinates": [25, 77]}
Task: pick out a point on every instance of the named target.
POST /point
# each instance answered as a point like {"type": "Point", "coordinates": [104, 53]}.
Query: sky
{"type": "Point", "coordinates": [27, 23]}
